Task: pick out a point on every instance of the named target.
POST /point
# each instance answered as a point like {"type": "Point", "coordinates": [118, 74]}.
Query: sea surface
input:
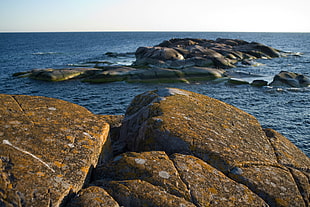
{"type": "Point", "coordinates": [286, 110]}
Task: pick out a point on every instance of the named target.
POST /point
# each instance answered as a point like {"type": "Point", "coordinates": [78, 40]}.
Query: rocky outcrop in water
{"type": "Point", "coordinates": [188, 52]}
{"type": "Point", "coordinates": [172, 148]}
{"type": "Point", "coordinates": [175, 60]}
{"type": "Point", "coordinates": [290, 79]}
{"type": "Point", "coordinates": [124, 73]}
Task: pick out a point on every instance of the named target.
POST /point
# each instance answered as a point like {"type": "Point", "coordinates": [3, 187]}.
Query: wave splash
{"type": "Point", "coordinates": [46, 53]}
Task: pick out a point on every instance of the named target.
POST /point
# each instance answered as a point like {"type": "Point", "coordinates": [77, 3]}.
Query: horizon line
{"type": "Point", "coordinates": [194, 31]}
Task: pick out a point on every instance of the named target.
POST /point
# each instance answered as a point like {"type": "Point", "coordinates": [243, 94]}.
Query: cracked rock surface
{"type": "Point", "coordinates": [172, 148]}
{"type": "Point", "coordinates": [48, 147]}
{"type": "Point", "coordinates": [201, 135]}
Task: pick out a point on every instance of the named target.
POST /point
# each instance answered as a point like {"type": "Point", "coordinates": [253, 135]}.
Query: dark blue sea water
{"type": "Point", "coordinates": [284, 109]}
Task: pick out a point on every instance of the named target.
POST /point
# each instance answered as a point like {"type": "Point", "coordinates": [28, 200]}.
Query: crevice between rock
{"type": "Point", "coordinates": [21, 109]}
{"type": "Point", "coordinates": [193, 200]}
{"type": "Point", "coordinates": [287, 167]}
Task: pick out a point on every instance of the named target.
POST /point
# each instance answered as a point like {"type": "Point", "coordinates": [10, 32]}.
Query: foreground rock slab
{"type": "Point", "coordinates": [172, 148]}
{"type": "Point", "coordinates": [135, 193]}
{"type": "Point", "coordinates": [47, 150]}
{"type": "Point", "coordinates": [228, 139]}
{"type": "Point", "coordinates": [210, 187]}
{"type": "Point", "coordinates": [154, 167]}
{"type": "Point", "coordinates": [94, 197]}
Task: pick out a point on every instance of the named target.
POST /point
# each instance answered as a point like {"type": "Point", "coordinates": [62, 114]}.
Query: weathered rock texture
{"type": "Point", "coordinates": [172, 148]}
{"type": "Point", "coordinates": [210, 187]}
{"type": "Point", "coordinates": [225, 139]}
{"type": "Point", "coordinates": [154, 167]}
{"type": "Point", "coordinates": [48, 148]}
{"type": "Point", "coordinates": [93, 197]}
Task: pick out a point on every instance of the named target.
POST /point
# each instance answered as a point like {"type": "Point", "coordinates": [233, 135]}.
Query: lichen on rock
{"type": "Point", "coordinates": [48, 148]}
{"type": "Point", "coordinates": [228, 139]}
{"type": "Point", "coordinates": [172, 148]}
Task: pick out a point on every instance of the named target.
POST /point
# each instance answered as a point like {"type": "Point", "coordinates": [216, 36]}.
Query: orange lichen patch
{"type": "Point", "coordinates": [232, 146]}
{"type": "Point", "coordinates": [59, 175]}
{"type": "Point", "coordinates": [41, 174]}
{"type": "Point", "coordinates": [282, 202]}
{"type": "Point", "coordinates": [59, 164]}
{"type": "Point", "coordinates": [212, 190]}
{"type": "Point", "coordinates": [95, 128]}
{"type": "Point", "coordinates": [85, 169]}
{"type": "Point", "coordinates": [98, 200]}
{"type": "Point", "coordinates": [71, 138]}
{"type": "Point", "coordinates": [29, 113]}
{"type": "Point", "coordinates": [87, 146]}
{"type": "Point", "coordinates": [75, 151]}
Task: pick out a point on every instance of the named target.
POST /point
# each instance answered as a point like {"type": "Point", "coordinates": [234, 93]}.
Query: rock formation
{"type": "Point", "coordinates": [229, 144]}
{"type": "Point", "coordinates": [48, 148]}
{"type": "Point", "coordinates": [175, 60]}
{"type": "Point", "coordinates": [172, 148]}
{"type": "Point", "coordinates": [290, 79]}
{"type": "Point", "coordinates": [221, 53]}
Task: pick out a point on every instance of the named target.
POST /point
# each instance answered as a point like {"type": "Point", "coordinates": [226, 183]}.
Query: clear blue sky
{"type": "Point", "coordinates": [156, 15]}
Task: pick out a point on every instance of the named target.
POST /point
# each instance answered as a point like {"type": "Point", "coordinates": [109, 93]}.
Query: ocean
{"type": "Point", "coordinates": [286, 110]}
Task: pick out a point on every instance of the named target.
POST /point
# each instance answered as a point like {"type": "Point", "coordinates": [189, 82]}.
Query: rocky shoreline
{"type": "Point", "coordinates": [172, 148]}
{"type": "Point", "coordinates": [182, 60]}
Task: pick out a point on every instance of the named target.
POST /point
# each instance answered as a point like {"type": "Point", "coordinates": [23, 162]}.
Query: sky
{"type": "Point", "coordinates": [155, 15]}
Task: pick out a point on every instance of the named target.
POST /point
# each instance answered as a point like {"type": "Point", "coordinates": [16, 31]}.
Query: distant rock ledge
{"type": "Point", "coordinates": [172, 148]}
{"type": "Point", "coordinates": [175, 60]}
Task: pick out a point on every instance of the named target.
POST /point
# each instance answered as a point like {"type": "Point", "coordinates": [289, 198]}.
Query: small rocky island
{"type": "Point", "coordinates": [172, 148]}
{"type": "Point", "coordinates": [182, 60]}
